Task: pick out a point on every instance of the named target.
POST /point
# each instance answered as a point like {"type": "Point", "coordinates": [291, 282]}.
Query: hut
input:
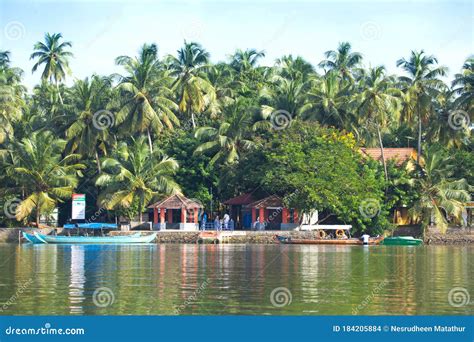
{"type": "Point", "coordinates": [176, 212]}
{"type": "Point", "coordinates": [241, 215]}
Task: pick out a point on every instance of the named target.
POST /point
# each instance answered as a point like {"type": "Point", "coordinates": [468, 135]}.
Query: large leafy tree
{"type": "Point", "coordinates": [147, 104]}
{"type": "Point", "coordinates": [420, 87]}
{"type": "Point", "coordinates": [441, 196]}
{"type": "Point", "coordinates": [194, 91]}
{"type": "Point", "coordinates": [42, 173]}
{"type": "Point", "coordinates": [54, 55]}
{"type": "Point", "coordinates": [134, 176]}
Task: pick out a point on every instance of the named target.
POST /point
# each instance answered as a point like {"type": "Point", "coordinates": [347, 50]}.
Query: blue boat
{"type": "Point", "coordinates": [31, 238]}
{"type": "Point", "coordinates": [135, 238]}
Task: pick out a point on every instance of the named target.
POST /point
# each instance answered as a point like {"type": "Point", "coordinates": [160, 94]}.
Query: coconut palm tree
{"type": "Point", "coordinates": [463, 85]}
{"type": "Point", "coordinates": [11, 96]}
{"type": "Point", "coordinates": [342, 60]}
{"type": "Point", "coordinates": [194, 90]}
{"type": "Point", "coordinates": [440, 196]}
{"type": "Point", "coordinates": [227, 142]}
{"type": "Point", "coordinates": [135, 176]}
{"type": "Point", "coordinates": [242, 61]}
{"type": "Point", "coordinates": [55, 57]}
{"type": "Point", "coordinates": [420, 88]}
{"type": "Point", "coordinates": [378, 105]}
{"type": "Point", "coordinates": [147, 103]}
{"type": "Point", "coordinates": [42, 173]}
{"type": "Point", "coordinates": [86, 135]}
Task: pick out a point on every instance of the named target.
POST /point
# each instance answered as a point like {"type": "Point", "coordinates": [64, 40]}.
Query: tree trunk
{"type": "Point", "coordinates": [383, 157]}
{"type": "Point", "coordinates": [419, 140]}
{"type": "Point", "coordinates": [37, 217]}
{"type": "Point", "coordinates": [59, 93]}
{"type": "Point", "coordinates": [150, 144]}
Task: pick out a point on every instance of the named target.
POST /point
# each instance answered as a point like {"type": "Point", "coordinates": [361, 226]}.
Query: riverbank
{"type": "Point", "coordinates": [432, 236]}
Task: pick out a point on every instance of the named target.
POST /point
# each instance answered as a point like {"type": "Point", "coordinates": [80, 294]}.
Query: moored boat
{"type": "Point", "coordinates": [135, 238]}
{"type": "Point", "coordinates": [402, 241]}
{"type": "Point", "coordinates": [348, 241]}
{"type": "Point", "coordinates": [31, 238]}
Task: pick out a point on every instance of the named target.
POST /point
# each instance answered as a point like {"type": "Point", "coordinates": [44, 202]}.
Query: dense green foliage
{"type": "Point", "coordinates": [218, 130]}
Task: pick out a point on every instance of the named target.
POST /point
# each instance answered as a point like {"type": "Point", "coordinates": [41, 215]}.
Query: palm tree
{"type": "Point", "coordinates": [328, 102]}
{"type": "Point", "coordinates": [147, 104]}
{"type": "Point", "coordinates": [85, 135]}
{"type": "Point", "coordinates": [42, 173]}
{"type": "Point", "coordinates": [342, 60]}
{"type": "Point", "coordinates": [195, 92]}
{"type": "Point", "coordinates": [463, 85]}
{"type": "Point", "coordinates": [227, 142]}
{"type": "Point", "coordinates": [11, 96]}
{"type": "Point", "coordinates": [420, 88]}
{"type": "Point", "coordinates": [242, 61]}
{"type": "Point", "coordinates": [378, 104]}
{"type": "Point", "coordinates": [440, 196]}
{"type": "Point", "coordinates": [135, 175]}
{"type": "Point", "coordinates": [55, 57]}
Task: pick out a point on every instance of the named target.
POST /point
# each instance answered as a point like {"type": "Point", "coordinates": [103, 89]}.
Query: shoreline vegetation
{"type": "Point", "coordinates": [212, 131]}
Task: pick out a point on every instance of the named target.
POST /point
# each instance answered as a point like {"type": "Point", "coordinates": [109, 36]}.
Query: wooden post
{"type": "Point", "coordinates": [162, 215]}
{"type": "Point", "coordinates": [195, 210]}
{"type": "Point", "coordinates": [183, 215]}
{"type": "Point", "coordinates": [284, 215]}
{"type": "Point", "coordinates": [254, 215]}
{"type": "Point", "coordinates": [155, 215]}
{"type": "Point", "coordinates": [170, 215]}
{"type": "Point", "coordinates": [261, 215]}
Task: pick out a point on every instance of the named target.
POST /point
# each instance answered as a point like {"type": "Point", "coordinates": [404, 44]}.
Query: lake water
{"type": "Point", "coordinates": [235, 279]}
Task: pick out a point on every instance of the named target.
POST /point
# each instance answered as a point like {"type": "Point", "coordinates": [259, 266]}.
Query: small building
{"type": "Point", "coordinates": [176, 212]}
{"type": "Point", "coordinates": [398, 154]}
{"type": "Point", "coordinates": [268, 213]}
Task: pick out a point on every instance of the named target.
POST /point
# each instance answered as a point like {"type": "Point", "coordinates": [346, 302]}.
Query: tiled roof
{"type": "Point", "coordinates": [400, 155]}
{"type": "Point", "coordinates": [176, 201]}
{"type": "Point", "coordinates": [270, 201]}
{"type": "Point", "coordinates": [240, 200]}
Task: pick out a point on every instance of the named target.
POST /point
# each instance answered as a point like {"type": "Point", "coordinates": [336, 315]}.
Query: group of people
{"type": "Point", "coordinates": [226, 223]}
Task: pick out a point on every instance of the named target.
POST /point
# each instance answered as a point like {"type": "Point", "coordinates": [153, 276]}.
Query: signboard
{"type": "Point", "coordinates": [78, 207]}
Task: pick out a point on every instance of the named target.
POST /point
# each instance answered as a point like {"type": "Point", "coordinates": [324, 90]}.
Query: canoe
{"type": "Point", "coordinates": [31, 238]}
{"type": "Point", "coordinates": [135, 238]}
{"type": "Point", "coordinates": [402, 241]}
{"type": "Point", "coordinates": [352, 241]}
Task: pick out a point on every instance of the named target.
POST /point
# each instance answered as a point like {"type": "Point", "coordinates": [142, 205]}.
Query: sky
{"type": "Point", "coordinates": [383, 31]}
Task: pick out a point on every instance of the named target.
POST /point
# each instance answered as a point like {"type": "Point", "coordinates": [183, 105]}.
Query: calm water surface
{"type": "Point", "coordinates": [232, 279]}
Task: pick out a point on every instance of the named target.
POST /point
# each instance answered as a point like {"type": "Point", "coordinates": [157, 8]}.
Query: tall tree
{"type": "Point", "coordinates": [342, 60]}
{"type": "Point", "coordinates": [147, 104]}
{"type": "Point", "coordinates": [195, 92]}
{"type": "Point", "coordinates": [420, 87]}
{"type": "Point", "coordinates": [54, 55]}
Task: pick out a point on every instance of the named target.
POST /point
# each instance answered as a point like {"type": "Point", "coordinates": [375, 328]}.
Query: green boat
{"type": "Point", "coordinates": [401, 241]}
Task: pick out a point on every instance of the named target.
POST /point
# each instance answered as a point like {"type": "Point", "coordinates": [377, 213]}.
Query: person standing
{"type": "Point", "coordinates": [217, 223]}
{"type": "Point", "coordinates": [226, 221]}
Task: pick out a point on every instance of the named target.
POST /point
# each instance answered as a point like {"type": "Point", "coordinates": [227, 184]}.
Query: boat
{"type": "Point", "coordinates": [402, 241]}
{"type": "Point", "coordinates": [135, 238]}
{"type": "Point", "coordinates": [347, 241]}
{"type": "Point", "coordinates": [31, 238]}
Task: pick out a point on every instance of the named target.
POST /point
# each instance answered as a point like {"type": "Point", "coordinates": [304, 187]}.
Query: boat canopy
{"type": "Point", "coordinates": [92, 225]}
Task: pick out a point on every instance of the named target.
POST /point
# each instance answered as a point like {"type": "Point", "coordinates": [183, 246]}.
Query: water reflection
{"type": "Point", "coordinates": [234, 279]}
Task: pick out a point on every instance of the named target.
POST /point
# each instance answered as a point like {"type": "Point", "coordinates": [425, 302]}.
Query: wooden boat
{"type": "Point", "coordinates": [135, 238]}
{"type": "Point", "coordinates": [349, 241]}
{"type": "Point", "coordinates": [401, 241]}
